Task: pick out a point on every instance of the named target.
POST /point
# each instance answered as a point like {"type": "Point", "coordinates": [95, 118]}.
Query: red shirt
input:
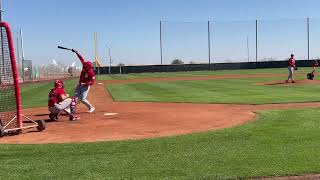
{"type": "Point", "coordinates": [55, 96]}
{"type": "Point", "coordinates": [292, 62]}
{"type": "Point", "coordinates": [315, 64]}
{"type": "Point", "coordinates": [87, 77]}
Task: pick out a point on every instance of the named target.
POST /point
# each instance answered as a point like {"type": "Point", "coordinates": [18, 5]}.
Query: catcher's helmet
{"type": "Point", "coordinates": [58, 84]}
{"type": "Point", "coordinates": [310, 76]}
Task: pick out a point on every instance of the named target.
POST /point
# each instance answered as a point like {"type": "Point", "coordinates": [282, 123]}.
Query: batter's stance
{"type": "Point", "coordinates": [291, 68]}
{"type": "Point", "coordinates": [87, 78]}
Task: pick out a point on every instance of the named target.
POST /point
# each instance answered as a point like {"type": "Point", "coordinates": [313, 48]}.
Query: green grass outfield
{"type": "Point", "coordinates": [279, 143]}
{"type": "Point", "coordinates": [304, 70]}
{"type": "Point", "coordinates": [238, 91]}
{"type": "Point", "coordinates": [36, 95]}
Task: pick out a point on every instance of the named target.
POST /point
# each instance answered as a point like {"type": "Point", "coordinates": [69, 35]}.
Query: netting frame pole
{"type": "Point", "coordinates": [14, 73]}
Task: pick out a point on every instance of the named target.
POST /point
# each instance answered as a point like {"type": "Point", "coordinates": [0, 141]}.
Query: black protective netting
{"type": "Point", "coordinates": [7, 87]}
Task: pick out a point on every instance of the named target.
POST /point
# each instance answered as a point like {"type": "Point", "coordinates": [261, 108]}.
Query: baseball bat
{"type": "Point", "coordinates": [61, 47]}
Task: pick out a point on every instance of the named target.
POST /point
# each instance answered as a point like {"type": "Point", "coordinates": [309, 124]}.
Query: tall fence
{"type": "Point", "coordinates": [239, 41]}
{"type": "Point", "coordinates": [29, 72]}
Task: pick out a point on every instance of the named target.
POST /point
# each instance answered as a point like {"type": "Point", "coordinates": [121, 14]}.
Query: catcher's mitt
{"type": "Point", "coordinates": [310, 76]}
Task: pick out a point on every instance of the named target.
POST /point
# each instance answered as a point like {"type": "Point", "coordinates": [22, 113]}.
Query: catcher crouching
{"type": "Point", "coordinates": [311, 75]}
{"type": "Point", "coordinates": [60, 101]}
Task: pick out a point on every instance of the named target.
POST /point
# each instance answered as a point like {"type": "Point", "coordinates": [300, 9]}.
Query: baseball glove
{"type": "Point", "coordinates": [295, 68]}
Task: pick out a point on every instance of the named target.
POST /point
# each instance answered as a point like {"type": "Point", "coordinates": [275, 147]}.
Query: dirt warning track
{"type": "Point", "coordinates": [136, 120]}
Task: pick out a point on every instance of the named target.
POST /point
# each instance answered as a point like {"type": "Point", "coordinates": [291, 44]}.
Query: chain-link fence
{"type": "Point", "coordinates": [239, 41]}
{"type": "Point", "coordinates": [29, 72]}
{"type": "Point", "coordinates": [47, 72]}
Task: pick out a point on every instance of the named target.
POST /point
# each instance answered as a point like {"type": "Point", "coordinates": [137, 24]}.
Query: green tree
{"type": "Point", "coordinates": [177, 61]}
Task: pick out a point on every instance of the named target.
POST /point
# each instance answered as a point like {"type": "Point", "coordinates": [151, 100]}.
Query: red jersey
{"type": "Point", "coordinates": [292, 62]}
{"type": "Point", "coordinates": [315, 64]}
{"type": "Point", "coordinates": [87, 77]}
{"type": "Point", "coordinates": [54, 96]}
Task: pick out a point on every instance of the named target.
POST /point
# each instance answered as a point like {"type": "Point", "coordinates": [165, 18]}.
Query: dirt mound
{"type": "Point", "coordinates": [297, 82]}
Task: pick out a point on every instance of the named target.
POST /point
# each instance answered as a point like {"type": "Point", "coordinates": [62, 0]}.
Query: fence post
{"type": "Point", "coordinates": [256, 41]}
{"type": "Point", "coordinates": [248, 49]}
{"type": "Point", "coordinates": [209, 43]}
{"type": "Point", "coordinates": [308, 36]}
{"type": "Point", "coordinates": [161, 42]}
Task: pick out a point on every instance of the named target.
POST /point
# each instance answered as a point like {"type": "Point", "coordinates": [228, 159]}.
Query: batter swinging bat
{"type": "Point", "coordinates": [60, 47]}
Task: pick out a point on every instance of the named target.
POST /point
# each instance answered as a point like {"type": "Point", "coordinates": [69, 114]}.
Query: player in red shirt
{"type": "Point", "coordinates": [87, 78]}
{"type": "Point", "coordinates": [315, 65]}
{"type": "Point", "coordinates": [60, 101]}
{"type": "Point", "coordinates": [291, 68]}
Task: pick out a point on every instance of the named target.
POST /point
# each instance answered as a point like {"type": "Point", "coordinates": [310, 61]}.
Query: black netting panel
{"type": "Point", "coordinates": [7, 87]}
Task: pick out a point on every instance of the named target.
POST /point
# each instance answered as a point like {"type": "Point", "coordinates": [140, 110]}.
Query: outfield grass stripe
{"type": "Point", "coordinates": [239, 91]}
{"type": "Point", "coordinates": [198, 73]}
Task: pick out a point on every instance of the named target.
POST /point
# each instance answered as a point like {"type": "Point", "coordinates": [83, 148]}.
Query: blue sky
{"type": "Point", "coordinates": [131, 28]}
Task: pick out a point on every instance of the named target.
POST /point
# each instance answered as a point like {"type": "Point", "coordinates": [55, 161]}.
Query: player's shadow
{"type": "Point", "coordinates": [276, 83]}
{"type": "Point", "coordinates": [45, 120]}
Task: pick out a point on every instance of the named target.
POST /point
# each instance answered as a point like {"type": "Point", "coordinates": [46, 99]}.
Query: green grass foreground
{"type": "Point", "coordinates": [238, 91]}
{"type": "Point", "coordinates": [279, 143]}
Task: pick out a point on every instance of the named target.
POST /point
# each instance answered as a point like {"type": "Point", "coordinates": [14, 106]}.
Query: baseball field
{"type": "Point", "coordinates": [237, 124]}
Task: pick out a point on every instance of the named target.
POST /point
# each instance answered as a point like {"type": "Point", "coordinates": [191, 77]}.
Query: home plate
{"type": "Point", "coordinates": [100, 83]}
{"type": "Point", "coordinates": [110, 114]}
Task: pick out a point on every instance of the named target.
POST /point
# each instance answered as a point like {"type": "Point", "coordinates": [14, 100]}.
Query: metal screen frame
{"type": "Point", "coordinates": [14, 73]}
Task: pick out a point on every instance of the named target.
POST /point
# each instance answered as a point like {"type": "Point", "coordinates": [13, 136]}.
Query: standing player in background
{"type": "Point", "coordinates": [291, 68]}
{"type": "Point", "coordinates": [87, 78]}
{"type": "Point", "coordinates": [314, 65]}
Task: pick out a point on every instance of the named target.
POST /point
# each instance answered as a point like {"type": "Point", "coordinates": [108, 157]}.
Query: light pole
{"type": "Point", "coordinates": [1, 11]}
{"type": "Point", "coordinates": [110, 60]}
{"type": "Point", "coordinates": [22, 51]}
{"type": "Point", "coordinates": [248, 50]}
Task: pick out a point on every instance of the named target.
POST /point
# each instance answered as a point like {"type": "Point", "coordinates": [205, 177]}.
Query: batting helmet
{"type": "Point", "coordinates": [87, 66]}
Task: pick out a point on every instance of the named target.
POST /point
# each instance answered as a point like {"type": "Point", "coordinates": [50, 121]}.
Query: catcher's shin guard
{"type": "Point", "coordinates": [53, 117]}
{"type": "Point", "coordinates": [73, 106]}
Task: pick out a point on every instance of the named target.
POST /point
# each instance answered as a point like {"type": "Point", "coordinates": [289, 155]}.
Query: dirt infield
{"type": "Point", "coordinates": [300, 82]}
{"type": "Point", "coordinates": [142, 120]}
